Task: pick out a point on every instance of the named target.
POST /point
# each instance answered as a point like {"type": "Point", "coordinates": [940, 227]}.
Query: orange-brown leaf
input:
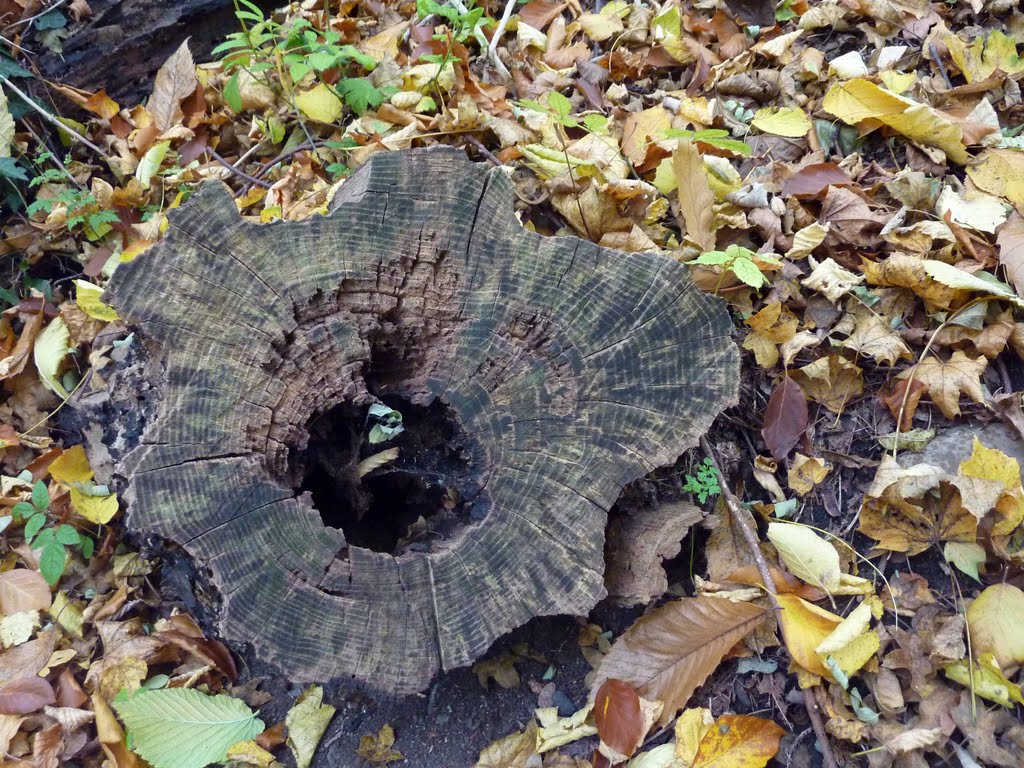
{"type": "Point", "coordinates": [667, 654]}
{"type": "Point", "coordinates": [617, 716]}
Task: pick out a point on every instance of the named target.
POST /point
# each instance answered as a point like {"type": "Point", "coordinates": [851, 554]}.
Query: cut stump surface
{"type": "Point", "coordinates": [554, 371]}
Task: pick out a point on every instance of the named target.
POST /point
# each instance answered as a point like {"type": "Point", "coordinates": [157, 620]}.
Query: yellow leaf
{"type": "Point", "coordinates": [96, 509]}
{"type": "Point", "coordinates": [49, 351]}
{"type": "Point", "coordinates": [859, 100]}
{"type": "Point", "coordinates": [898, 82]}
{"type": "Point", "coordinates": [250, 753]}
{"type": "Point", "coordinates": [87, 296]}
{"type": "Point", "coordinates": [1000, 172]}
{"type": "Point", "coordinates": [991, 464]}
{"type": "Point", "coordinates": [600, 26]}
{"type": "Point", "coordinates": [979, 60]}
{"type": "Point", "coordinates": [985, 679]}
{"type": "Point", "coordinates": [307, 720]}
{"type": "Point", "coordinates": [782, 121]}
{"type": "Point", "coordinates": [319, 103]}
{"type": "Point", "coordinates": [555, 732]}
{"type": "Point", "coordinates": [994, 620]}
{"type": "Point", "coordinates": [806, 472]}
{"type": "Point", "coordinates": [72, 466]}
{"type": "Point", "coordinates": [739, 740]}
{"type": "Point", "coordinates": [808, 556]}
{"type": "Point", "coordinates": [691, 727]}
{"type": "Point", "coordinates": [855, 654]}
{"type": "Point", "coordinates": [804, 627]}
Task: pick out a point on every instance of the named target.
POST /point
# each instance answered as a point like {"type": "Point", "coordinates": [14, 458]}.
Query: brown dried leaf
{"type": "Point", "coordinates": [1010, 240]}
{"type": "Point", "coordinates": [945, 381]}
{"type": "Point", "coordinates": [175, 80]}
{"type": "Point", "coordinates": [785, 418]}
{"type": "Point", "coordinates": [696, 200]}
{"type": "Point", "coordinates": [25, 695]}
{"type": "Point", "coordinates": [667, 654]}
{"type": "Point", "coordinates": [832, 381]}
{"type": "Point", "coordinates": [23, 590]}
{"type": "Point", "coordinates": [812, 180]}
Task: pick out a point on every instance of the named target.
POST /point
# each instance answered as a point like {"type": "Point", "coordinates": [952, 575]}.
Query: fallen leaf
{"type": "Point", "coordinates": [378, 749]}
{"type": "Point", "coordinates": [769, 327]}
{"type": "Point", "coordinates": [695, 198]}
{"type": "Point", "coordinates": [512, 751]}
{"type": "Point", "coordinates": [743, 741]}
{"type": "Point", "coordinates": [1000, 172]}
{"type": "Point", "coordinates": [49, 351]}
{"type": "Point", "coordinates": [806, 554]}
{"type": "Point", "coordinates": [23, 590]}
{"type": "Point", "coordinates": [617, 716]}
{"type": "Point", "coordinates": [806, 472]}
{"type": "Point", "coordinates": [832, 280]}
{"type": "Point", "coordinates": [875, 338]}
{"type": "Point", "coordinates": [175, 80]}
{"type": "Point", "coordinates": [832, 381]}
{"type": "Point", "coordinates": [669, 652]}
{"type": "Point", "coordinates": [859, 100]}
{"type": "Point", "coordinates": [306, 722]}
{"type": "Point", "coordinates": [319, 103]}
{"type": "Point", "coordinates": [946, 380]}
{"type": "Point", "coordinates": [25, 696]}
{"type": "Point", "coordinates": [785, 418]}
{"type": "Point", "coordinates": [994, 620]}
{"type": "Point", "coordinates": [804, 627]}
{"type": "Point", "coordinates": [782, 121]}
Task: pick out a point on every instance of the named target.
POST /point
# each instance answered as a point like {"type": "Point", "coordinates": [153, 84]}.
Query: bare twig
{"type": "Point", "coordinates": [53, 120]}
{"type": "Point", "coordinates": [492, 49]}
{"type": "Point", "coordinates": [482, 149]}
{"type": "Point", "coordinates": [238, 172]}
{"type": "Point", "coordinates": [741, 518]}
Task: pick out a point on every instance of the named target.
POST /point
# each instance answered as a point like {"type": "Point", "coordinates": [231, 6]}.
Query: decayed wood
{"type": "Point", "coordinates": [571, 370]}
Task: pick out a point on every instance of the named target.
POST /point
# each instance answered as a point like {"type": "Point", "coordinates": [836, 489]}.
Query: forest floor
{"type": "Point", "coordinates": [844, 174]}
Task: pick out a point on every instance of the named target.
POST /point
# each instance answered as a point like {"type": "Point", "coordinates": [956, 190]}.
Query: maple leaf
{"type": "Point", "coordinates": [360, 93]}
{"type": "Point", "coordinates": [770, 327]}
{"type": "Point", "coordinates": [945, 381]}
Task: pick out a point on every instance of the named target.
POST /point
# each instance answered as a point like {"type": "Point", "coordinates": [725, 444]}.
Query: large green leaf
{"type": "Point", "coordinates": [180, 728]}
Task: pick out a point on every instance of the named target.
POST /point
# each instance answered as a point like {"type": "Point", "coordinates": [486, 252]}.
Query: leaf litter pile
{"type": "Point", "coordinates": [847, 175]}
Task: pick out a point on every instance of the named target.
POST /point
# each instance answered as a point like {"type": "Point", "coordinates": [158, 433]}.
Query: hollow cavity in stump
{"type": "Point", "coordinates": [536, 377]}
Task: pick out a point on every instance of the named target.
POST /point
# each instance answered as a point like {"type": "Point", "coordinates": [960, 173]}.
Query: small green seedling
{"type": "Point", "coordinates": [705, 484]}
{"type": "Point", "coordinates": [740, 261]}
{"type": "Point", "coordinates": [52, 540]}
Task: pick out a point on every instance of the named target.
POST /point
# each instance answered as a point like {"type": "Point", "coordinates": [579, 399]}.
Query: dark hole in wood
{"type": "Point", "coordinates": [408, 504]}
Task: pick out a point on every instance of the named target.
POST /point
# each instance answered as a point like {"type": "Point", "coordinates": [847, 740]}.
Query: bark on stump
{"type": "Point", "coordinates": [562, 370]}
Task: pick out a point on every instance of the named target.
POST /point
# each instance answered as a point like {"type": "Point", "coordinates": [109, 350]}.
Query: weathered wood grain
{"type": "Point", "coordinates": [573, 369]}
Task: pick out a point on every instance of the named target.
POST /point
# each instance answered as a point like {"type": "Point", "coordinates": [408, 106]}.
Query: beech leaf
{"type": "Point", "coordinates": [183, 728]}
{"type": "Point", "coordinates": [785, 418]}
{"type": "Point", "coordinates": [617, 716]}
{"type": "Point", "coordinates": [23, 590]}
{"type": "Point", "coordinates": [695, 196]}
{"type": "Point", "coordinates": [807, 555]}
{"type": "Point", "coordinates": [667, 654]}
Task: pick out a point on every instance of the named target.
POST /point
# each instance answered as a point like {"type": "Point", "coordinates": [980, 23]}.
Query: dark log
{"type": "Point", "coordinates": [537, 376]}
{"type": "Point", "coordinates": [123, 43]}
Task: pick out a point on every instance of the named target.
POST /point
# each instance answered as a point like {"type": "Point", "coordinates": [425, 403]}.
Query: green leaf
{"type": "Point", "coordinates": [51, 562]}
{"type": "Point", "coordinates": [747, 271]}
{"type": "Point", "coordinates": [32, 526]}
{"type": "Point", "coordinates": [713, 257]}
{"type": "Point", "coordinates": [9, 69]}
{"type": "Point", "coordinates": [360, 94]}
{"type": "Point", "coordinates": [183, 728]}
{"type": "Point", "coordinates": [88, 545]}
{"type": "Point", "coordinates": [22, 510]}
{"type": "Point", "coordinates": [233, 94]}
{"type": "Point", "coordinates": [9, 169]}
{"type": "Point", "coordinates": [40, 496]}
{"type": "Point", "coordinates": [559, 104]}
{"type": "Point", "coordinates": [67, 535]}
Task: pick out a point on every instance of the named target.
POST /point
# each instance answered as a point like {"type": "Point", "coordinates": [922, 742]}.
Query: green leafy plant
{"type": "Point", "coordinates": [739, 261]}
{"type": "Point", "coordinates": [705, 483]}
{"type": "Point", "coordinates": [52, 540]}
{"type": "Point", "coordinates": [83, 209]}
{"type": "Point", "coordinates": [715, 137]}
{"type": "Point", "coordinates": [294, 51]}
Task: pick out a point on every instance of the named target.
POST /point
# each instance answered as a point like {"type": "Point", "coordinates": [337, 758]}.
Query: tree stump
{"type": "Point", "coordinates": [536, 377]}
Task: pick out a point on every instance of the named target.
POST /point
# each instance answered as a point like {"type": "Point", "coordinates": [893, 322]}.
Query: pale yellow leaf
{"type": "Point", "coordinates": [175, 80]}
{"type": "Point", "coordinates": [49, 351]}
{"type": "Point", "coordinates": [994, 620]}
{"type": "Point", "coordinates": [782, 121]}
{"type": "Point", "coordinates": [319, 103]}
{"type": "Point", "coordinates": [87, 296]}
{"type": "Point", "coordinates": [96, 509]}
{"type": "Point", "coordinates": [306, 722]}
{"type": "Point", "coordinates": [807, 555]}
{"type": "Point", "coordinates": [696, 200]}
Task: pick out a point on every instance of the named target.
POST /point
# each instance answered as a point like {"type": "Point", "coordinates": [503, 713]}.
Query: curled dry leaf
{"type": "Point", "coordinates": [671, 651]}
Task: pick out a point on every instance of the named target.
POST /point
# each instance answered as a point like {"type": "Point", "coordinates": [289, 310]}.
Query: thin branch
{"type": "Point", "coordinates": [492, 49]}
{"type": "Point", "coordinates": [238, 172]}
{"type": "Point", "coordinates": [742, 519]}
{"type": "Point", "coordinates": [53, 120]}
